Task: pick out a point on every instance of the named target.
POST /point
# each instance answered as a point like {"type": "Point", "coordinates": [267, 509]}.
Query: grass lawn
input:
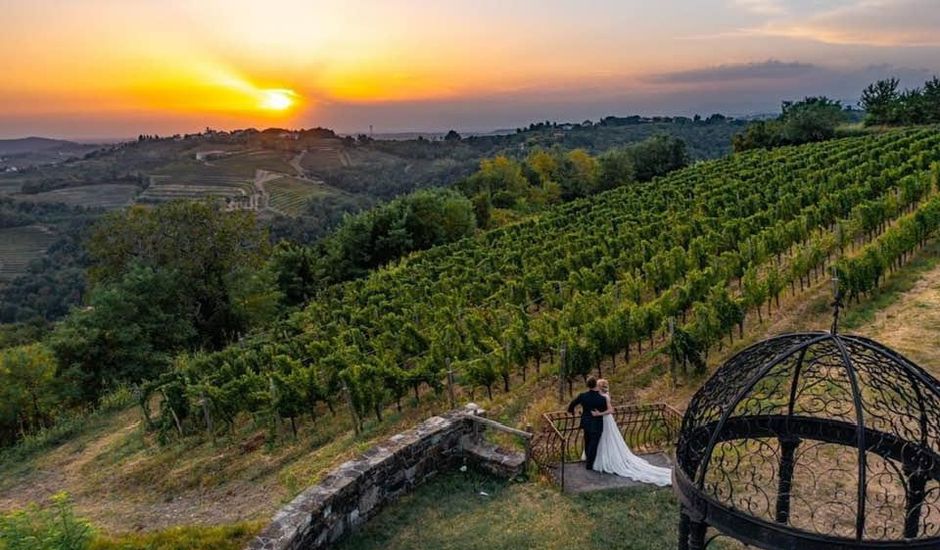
{"type": "Point", "coordinates": [453, 513]}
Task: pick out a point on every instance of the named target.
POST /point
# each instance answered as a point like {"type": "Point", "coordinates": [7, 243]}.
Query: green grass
{"type": "Point", "coordinates": [227, 537]}
{"type": "Point", "coordinates": [452, 513]}
{"type": "Point", "coordinates": [897, 283]}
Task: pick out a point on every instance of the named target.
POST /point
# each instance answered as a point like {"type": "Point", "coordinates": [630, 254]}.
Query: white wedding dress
{"type": "Point", "coordinates": [615, 457]}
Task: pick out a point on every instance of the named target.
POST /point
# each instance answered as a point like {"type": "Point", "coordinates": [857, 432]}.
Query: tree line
{"type": "Point", "coordinates": [809, 120]}
{"type": "Point", "coordinates": [886, 104]}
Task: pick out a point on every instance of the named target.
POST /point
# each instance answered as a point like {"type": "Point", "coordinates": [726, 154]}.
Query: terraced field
{"type": "Point", "coordinates": [290, 195]}
{"type": "Point", "coordinates": [10, 184]}
{"type": "Point", "coordinates": [241, 165]}
{"type": "Point", "coordinates": [325, 158]}
{"type": "Point", "coordinates": [19, 246]}
{"type": "Point", "coordinates": [107, 195]}
{"type": "Point", "coordinates": [165, 188]}
{"type": "Point", "coordinates": [245, 164]}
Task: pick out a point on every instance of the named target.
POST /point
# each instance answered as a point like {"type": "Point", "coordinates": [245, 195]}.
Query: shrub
{"type": "Point", "coordinates": [52, 528]}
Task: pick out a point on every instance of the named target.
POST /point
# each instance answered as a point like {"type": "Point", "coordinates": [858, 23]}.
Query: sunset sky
{"type": "Point", "coordinates": [117, 68]}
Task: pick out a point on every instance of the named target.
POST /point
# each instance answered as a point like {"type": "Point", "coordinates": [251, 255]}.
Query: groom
{"type": "Point", "coordinates": [591, 401]}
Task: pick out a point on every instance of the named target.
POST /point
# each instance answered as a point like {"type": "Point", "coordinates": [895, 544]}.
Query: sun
{"type": "Point", "coordinates": [277, 99]}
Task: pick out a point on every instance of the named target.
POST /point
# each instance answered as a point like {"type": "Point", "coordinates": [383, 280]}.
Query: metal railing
{"type": "Point", "coordinates": [646, 429]}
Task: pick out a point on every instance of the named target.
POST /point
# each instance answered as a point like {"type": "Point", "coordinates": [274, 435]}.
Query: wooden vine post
{"type": "Point", "coordinates": [562, 371]}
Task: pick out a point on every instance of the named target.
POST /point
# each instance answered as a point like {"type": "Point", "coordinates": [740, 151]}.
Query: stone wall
{"type": "Point", "coordinates": [356, 490]}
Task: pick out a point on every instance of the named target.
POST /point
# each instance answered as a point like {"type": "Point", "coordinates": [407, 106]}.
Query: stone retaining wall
{"type": "Point", "coordinates": [356, 490]}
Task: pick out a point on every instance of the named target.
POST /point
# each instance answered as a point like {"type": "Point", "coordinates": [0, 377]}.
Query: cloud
{"type": "Point", "coordinates": [771, 69]}
{"type": "Point", "coordinates": [865, 22]}
{"type": "Point", "coordinates": [760, 7]}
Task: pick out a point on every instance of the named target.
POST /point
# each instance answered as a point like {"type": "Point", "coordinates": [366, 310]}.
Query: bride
{"type": "Point", "coordinates": [613, 455]}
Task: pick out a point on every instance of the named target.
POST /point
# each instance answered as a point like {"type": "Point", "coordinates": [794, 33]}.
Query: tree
{"type": "Point", "coordinates": [501, 178]}
{"type": "Point", "coordinates": [129, 332]}
{"type": "Point", "coordinates": [294, 267]}
{"type": "Point", "coordinates": [879, 100]}
{"type": "Point", "coordinates": [204, 249]}
{"type": "Point", "coordinates": [809, 120]}
{"type": "Point", "coordinates": [931, 98]}
{"type": "Point", "coordinates": [614, 168]}
{"type": "Point", "coordinates": [763, 134]}
{"type": "Point", "coordinates": [658, 156]}
{"type": "Point", "coordinates": [28, 390]}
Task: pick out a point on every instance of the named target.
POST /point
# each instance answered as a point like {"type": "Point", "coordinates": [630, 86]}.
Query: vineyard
{"type": "Point", "coordinates": [679, 262]}
{"type": "Point", "coordinates": [19, 246]}
{"type": "Point", "coordinates": [329, 157]}
{"type": "Point", "coordinates": [106, 195]}
{"type": "Point", "coordinates": [290, 195]}
{"type": "Point", "coordinates": [163, 188]}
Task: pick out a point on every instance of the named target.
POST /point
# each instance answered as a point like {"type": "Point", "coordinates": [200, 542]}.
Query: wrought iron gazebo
{"type": "Point", "coordinates": [812, 440]}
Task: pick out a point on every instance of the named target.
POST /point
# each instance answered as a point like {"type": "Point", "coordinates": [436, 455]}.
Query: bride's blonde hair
{"type": "Point", "coordinates": [603, 384]}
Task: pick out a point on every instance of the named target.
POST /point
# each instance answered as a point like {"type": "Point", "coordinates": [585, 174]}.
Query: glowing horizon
{"type": "Point", "coordinates": [107, 67]}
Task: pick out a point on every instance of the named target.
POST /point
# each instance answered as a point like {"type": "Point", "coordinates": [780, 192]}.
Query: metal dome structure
{"type": "Point", "coordinates": [812, 440]}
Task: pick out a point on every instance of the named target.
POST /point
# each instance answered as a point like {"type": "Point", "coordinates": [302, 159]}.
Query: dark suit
{"type": "Point", "coordinates": [592, 425]}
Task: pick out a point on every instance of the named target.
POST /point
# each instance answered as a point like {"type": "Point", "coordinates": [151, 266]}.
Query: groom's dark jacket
{"type": "Point", "coordinates": [590, 401]}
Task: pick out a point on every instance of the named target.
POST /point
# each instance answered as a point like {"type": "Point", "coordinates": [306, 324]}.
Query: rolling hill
{"type": "Point", "coordinates": [18, 154]}
{"type": "Point", "coordinates": [36, 145]}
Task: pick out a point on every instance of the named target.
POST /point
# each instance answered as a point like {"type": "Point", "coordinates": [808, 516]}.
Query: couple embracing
{"type": "Point", "coordinates": [604, 447]}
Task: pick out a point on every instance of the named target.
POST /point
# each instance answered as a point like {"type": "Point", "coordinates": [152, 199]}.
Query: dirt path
{"type": "Point", "coordinates": [59, 469]}
{"type": "Point", "coordinates": [911, 325]}
{"type": "Point", "coordinates": [123, 481]}
{"type": "Point", "coordinates": [295, 163]}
